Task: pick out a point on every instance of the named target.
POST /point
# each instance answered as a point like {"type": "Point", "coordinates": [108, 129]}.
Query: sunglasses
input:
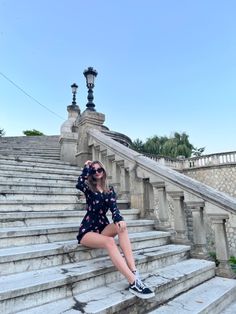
{"type": "Point", "coordinates": [99, 170]}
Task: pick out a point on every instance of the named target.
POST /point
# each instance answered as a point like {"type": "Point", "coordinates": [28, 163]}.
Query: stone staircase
{"type": "Point", "coordinates": [44, 270]}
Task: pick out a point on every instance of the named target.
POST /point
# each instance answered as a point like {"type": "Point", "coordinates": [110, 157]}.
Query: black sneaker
{"type": "Point", "coordinates": [140, 290]}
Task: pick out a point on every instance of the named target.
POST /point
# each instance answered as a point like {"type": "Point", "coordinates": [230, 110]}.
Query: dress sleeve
{"type": "Point", "coordinates": [116, 216]}
{"type": "Point", "coordinates": [81, 184]}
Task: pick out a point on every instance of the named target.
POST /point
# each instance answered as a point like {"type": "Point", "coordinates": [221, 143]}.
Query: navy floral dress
{"type": "Point", "coordinates": [98, 203]}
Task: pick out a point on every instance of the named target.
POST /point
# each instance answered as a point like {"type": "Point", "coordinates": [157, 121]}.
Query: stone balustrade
{"type": "Point", "coordinates": [142, 180]}
{"type": "Point", "coordinates": [196, 162]}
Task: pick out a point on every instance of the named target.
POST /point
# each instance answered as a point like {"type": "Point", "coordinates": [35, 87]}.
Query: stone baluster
{"type": "Point", "coordinates": [136, 191]}
{"type": "Point", "coordinates": [124, 181]}
{"type": "Point", "coordinates": [221, 244]}
{"type": "Point", "coordinates": [163, 209]}
{"type": "Point", "coordinates": [179, 217]}
{"type": "Point", "coordinates": [199, 235]}
{"type": "Point", "coordinates": [109, 161]}
{"type": "Point", "coordinates": [115, 172]}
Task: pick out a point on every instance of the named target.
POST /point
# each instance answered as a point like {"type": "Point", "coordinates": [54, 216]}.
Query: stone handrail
{"type": "Point", "coordinates": [195, 162]}
{"type": "Point", "coordinates": [140, 178]}
{"type": "Point", "coordinates": [210, 160]}
{"type": "Point", "coordinates": [164, 173]}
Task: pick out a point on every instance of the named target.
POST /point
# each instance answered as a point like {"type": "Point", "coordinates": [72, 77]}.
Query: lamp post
{"type": "Point", "coordinates": [74, 88]}
{"type": "Point", "coordinates": [90, 75]}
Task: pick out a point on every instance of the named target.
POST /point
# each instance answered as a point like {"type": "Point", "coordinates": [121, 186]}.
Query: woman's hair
{"type": "Point", "coordinates": [92, 181]}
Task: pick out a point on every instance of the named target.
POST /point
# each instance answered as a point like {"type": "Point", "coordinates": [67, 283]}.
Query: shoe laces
{"type": "Point", "coordinates": [140, 284]}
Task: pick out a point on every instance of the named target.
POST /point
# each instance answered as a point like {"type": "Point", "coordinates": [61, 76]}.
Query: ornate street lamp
{"type": "Point", "coordinates": [74, 88]}
{"type": "Point", "coordinates": [90, 75]}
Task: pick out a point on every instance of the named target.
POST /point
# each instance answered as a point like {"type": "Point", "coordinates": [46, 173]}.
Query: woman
{"type": "Point", "coordinates": [97, 232]}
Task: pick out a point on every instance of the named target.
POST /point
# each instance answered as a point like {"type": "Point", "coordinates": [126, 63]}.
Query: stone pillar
{"type": "Point", "coordinates": [124, 182]}
{"type": "Point", "coordinates": [199, 235]}
{"type": "Point", "coordinates": [88, 120]}
{"type": "Point", "coordinates": [136, 192]}
{"type": "Point", "coordinates": [116, 177]}
{"type": "Point", "coordinates": [69, 136]}
{"type": "Point", "coordinates": [163, 209]}
{"type": "Point", "coordinates": [222, 247]}
{"type": "Point", "coordinates": [179, 217]}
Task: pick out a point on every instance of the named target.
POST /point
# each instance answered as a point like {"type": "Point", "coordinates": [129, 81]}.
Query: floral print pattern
{"type": "Point", "coordinates": [98, 203]}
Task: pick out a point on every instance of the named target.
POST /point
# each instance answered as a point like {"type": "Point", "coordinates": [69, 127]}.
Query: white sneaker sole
{"type": "Point", "coordinates": [142, 296]}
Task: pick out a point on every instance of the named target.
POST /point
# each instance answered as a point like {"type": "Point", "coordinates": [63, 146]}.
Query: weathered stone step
{"type": "Point", "coordinates": [17, 171]}
{"type": "Point", "coordinates": [32, 160]}
{"type": "Point", "coordinates": [38, 196]}
{"type": "Point", "coordinates": [35, 163]}
{"type": "Point", "coordinates": [48, 205]}
{"type": "Point", "coordinates": [26, 188]}
{"type": "Point", "coordinates": [212, 297]}
{"type": "Point", "coordinates": [38, 179]}
{"type": "Point", "coordinates": [40, 154]}
{"type": "Point", "coordinates": [17, 219]}
{"type": "Point", "coordinates": [35, 257]}
{"type": "Point", "coordinates": [231, 309]}
{"type": "Point", "coordinates": [19, 236]}
{"type": "Point", "coordinates": [114, 297]}
{"type": "Point", "coordinates": [11, 169]}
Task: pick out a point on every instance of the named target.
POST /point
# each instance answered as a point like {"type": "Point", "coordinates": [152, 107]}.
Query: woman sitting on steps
{"type": "Point", "coordinates": [97, 232]}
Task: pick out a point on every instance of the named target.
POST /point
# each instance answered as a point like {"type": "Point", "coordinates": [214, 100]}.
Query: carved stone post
{"type": "Point", "coordinates": [179, 217]}
{"type": "Point", "coordinates": [69, 136]}
{"type": "Point", "coordinates": [124, 182]}
{"type": "Point", "coordinates": [221, 244]}
{"type": "Point", "coordinates": [136, 192]}
{"type": "Point", "coordinates": [199, 234]}
{"type": "Point", "coordinates": [163, 205]}
{"type": "Point", "coordinates": [116, 177]}
{"type": "Point", "coordinates": [88, 120]}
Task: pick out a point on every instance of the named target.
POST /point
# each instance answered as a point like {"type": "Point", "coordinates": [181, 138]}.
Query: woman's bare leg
{"type": "Point", "coordinates": [96, 240]}
{"type": "Point", "coordinates": [111, 231]}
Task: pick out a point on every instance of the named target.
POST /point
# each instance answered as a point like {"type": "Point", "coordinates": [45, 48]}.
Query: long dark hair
{"type": "Point", "coordinates": [92, 182]}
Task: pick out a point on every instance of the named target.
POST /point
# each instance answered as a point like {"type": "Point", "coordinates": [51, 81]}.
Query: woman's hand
{"type": "Point", "coordinates": [120, 226]}
{"type": "Point", "coordinates": [88, 163]}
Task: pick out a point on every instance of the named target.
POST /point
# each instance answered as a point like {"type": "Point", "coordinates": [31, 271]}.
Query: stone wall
{"type": "Point", "coordinates": [222, 178]}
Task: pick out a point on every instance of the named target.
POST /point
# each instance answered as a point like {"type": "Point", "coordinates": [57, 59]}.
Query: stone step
{"type": "Point", "coordinates": [40, 154]}
{"type": "Point", "coordinates": [38, 179]}
{"type": "Point", "coordinates": [39, 196]}
{"type": "Point", "coordinates": [35, 163]}
{"type": "Point", "coordinates": [20, 236]}
{"type": "Point", "coordinates": [41, 172]}
{"type": "Point", "coordinates": [35, 257]}
{"type": "Point", "coordinates": [32, 160]}
{"type": "Point", "coordinates": [26, 188]}
{"type": "Point", "coordinates": [11, 169]}
{"type": "Point", "coordinates": [230, 309]}
{"type": "Point", "coordinates": [49, 205]}
{"type": "Point", "coordinates": [212, 297]}
{"type": "Point", "coordinates": [110, 295]}
{"type": "Point", "coordinates": [17, 219]}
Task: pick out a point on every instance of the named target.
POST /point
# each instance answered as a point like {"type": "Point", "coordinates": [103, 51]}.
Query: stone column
{"type": "Point", "coordinates": [136, 192]}
{"type": "Point", "coordinates": [163, 209]}
{"type": "Point", "coordinates": [199, 235]}
{"type": "Point", "coordinates": [179, 217]}
{"type": "Point", "coordinates": [69, 136]}
{"type": "Point", "coordinates": [221, 244]}
{"type": "Point", "coordinates": [88, 120]}
{"type": "Point", "coordinates": [116, 177]}
{"type": "Point", "coordinates": [124, 182]}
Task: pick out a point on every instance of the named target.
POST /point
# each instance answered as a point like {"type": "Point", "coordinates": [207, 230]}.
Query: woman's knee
{"type": "Point", "coordinates": [110, 242]}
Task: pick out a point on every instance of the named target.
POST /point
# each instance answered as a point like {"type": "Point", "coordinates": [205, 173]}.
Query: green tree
{"type": "Point", "coordinates": [2, 132]}
{"type": "Point", "coordinates": [176, 145]}
{"type": "Point", "coordinates": [137, 145]}
{"type": "Point", "coordinates": [32, 133]}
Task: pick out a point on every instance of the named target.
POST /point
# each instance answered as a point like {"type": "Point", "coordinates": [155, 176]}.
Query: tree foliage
{"type": "Point", "coordinates": [176, 145]}
{"type": "Point", "coordinates": [32, 133]}
{"type": "Point", "coordinates": [2, 132]}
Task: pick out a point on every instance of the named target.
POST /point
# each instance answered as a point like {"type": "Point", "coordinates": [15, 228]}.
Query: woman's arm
{"type": "Point", "coordinates": [116, 216]}
{"type": "Point", "coordinates": [81, 184]}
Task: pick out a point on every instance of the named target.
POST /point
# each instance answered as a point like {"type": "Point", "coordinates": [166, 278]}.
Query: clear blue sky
{"type": "Point", "coordinates": [163, 66]}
